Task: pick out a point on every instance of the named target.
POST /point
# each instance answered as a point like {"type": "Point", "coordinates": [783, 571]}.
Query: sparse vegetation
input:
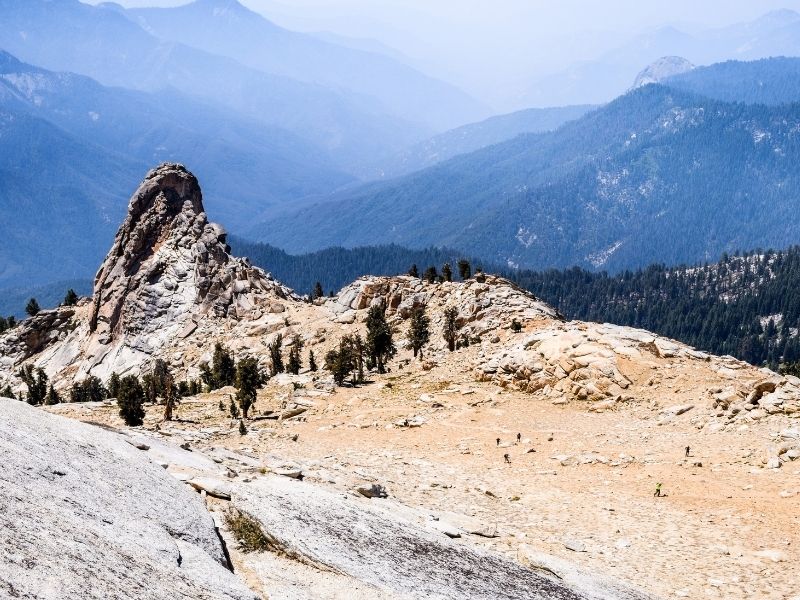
{"type": "Point", "coordinates": [247, 531]}
{"type": "Point", "coordinates": [70, 298]}
{"type": "Point", "coordinates": [276, 355]}
{"type": "Point", "coordinates": [418, 331]}
{"type": "Point", "coordinates": [32, 307]}
{"type": "Point", "coordinates": [380, 344]}
{"type": "Point", "coordinates": [131, 401]}
{"type": "Point", "coordinates": [450, 332]}
{"type": "Point", "coordinates": [36, 381]}
{"type": "Point", "coordinates": [248, 380]}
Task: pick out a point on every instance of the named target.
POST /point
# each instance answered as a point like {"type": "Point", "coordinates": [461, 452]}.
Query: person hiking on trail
{"type": "Point", "coordinates": [519, 438]}
{"type": "Point", "coordinates": [498, 442]}
{"type": "Point", "coordinates": [507, 458]}
{"type": "Point", "coordinates": [658, 491]}
{"type": "Point", "coordinates": [687, 451]}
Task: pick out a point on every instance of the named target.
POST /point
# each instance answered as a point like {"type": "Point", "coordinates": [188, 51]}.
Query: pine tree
{"type": "Point", "coordinates": [242, 428]}
{"type": "Point", "coordinates": [223, 367]}
{"type": "Point", "coordinates": [516, 326]}
{"type": "Point", "coordinates": [430, 274]}
{"type": "Point", "coordinates": [447, 272]}
{"type": "Point", "coordinates": [248, 380]}
{"type": "Point", "coordinates": [36, 381]}
{"type": "Point", "coordinates": [318, 291]}
{"type": "Point", "coordinates": [380, 345]}
{"type": "Point", "coordinates": [340, 361]}
{"type": "Point", "coordinates": [295, 361]}
{"type": "Point", "coordinates": [52, 397]}
{"type": "Point", "coordinates": [113, 385]}
{"type": "Point", "coordinates": [233, 408]}
{"type": "Point", "coordinates": [32, 308]}
{"type": "Point", "coordinates": [131, 401]}
{"type": "Point", "coordinates": [312, 363]}
{"type": "Point", "coordinates": [7, 392]}
{"type": "Point", "coordinates": [71, 298]}
{"type": "Point", "coordinates": [464, 269]}
{"type": "Point", "coordinates": [450, 331]}
{"type": "Point", "coordinates": [418, 331]}
{"type": "Point", "coordinates": [275, 355]}
{"type": "Point", "coordinates": [413, 272]}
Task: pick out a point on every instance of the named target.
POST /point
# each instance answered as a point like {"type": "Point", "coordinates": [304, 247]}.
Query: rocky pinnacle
{"type": "Point", "coordinates": [168, 263]}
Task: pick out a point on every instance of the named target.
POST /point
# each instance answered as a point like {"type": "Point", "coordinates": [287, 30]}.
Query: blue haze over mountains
{"type": "Point", "coordinates": [306, 141]}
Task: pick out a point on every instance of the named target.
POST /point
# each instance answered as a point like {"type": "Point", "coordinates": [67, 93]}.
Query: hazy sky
{"type": "Point", "coordinates": [470, 42]}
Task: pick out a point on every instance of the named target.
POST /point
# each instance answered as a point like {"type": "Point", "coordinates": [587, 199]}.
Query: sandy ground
{"type": "Point", "coordinates": [726, 528]}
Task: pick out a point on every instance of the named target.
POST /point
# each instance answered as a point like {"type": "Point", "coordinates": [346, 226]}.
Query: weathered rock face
{"type": "Point", "coordinates": [483, 306]}
{"type": "Point", "coordinates": [85, 515]}
{"type": "Point", "coordinates": [168, 275]}
{"type": "Point", "coordinates": [168, 263]}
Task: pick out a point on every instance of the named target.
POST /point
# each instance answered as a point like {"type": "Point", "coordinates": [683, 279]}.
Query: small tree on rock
{"type": "Point", "coordinates": [447, 272]}
{"type": "Point", "coordinates": [430, 275]}
{"type": "Point", "coordinates": [380, 345]}
{"type": "Point", "coordinates": [248, 380]}
{"type": "Point", "coordinates": [276, 356]}
{"type": "Point", "coordinates": [312, 362]}
{"type": "Point", "coordinates": [418, 331]}
{"type": "Point", "coordinates": [464, 269]}
{"type": "Point", "coordinates": [295, 362]}
{"type": "Point", "coordinates": [71, 298]}
{"type": "Point", "coordinates": [52, 397]}
{"type": "Point", "coordinates": [131, 401]}
{"type": "Point", "coordinates": [113, 385]}
{"type": "Point", "coordinates": [413, 272]}
{"type": "Point", "coordinates": [32, 307]}
{"type": "Point", "coordinates": [7, 392]}
{"type": "Point", "coordinates": [223, 367]}
{"type": "Point", "coordinates": [318, 291]}
{"type": "Point", "coordinates": [36, 380]}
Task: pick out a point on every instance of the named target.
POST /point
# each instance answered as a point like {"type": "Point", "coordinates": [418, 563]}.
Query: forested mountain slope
{"type": "Point", "coordinates": [658, 175]}
{"type": "Point", "coordinates": [769, 81]}
{"type": "Point", "coordinates": [745, 305]}
{"type": "Point", "coordinates": [474, 136]}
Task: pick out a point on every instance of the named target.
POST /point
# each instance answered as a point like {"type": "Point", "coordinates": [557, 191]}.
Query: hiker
{"type": "Point", "coordinates": [687, 451]}
{"type": "Point", "coordinates": [498, 442]}
{"type": "Point", "coordinates": [658, 491]}
{"type": "Point", "coordinates": [519, 438]}
{"type": "Point", "coordinates": [507, 457]}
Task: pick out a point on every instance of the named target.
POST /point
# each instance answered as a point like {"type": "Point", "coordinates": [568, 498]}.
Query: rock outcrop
{"type": "Point", "coordinates": [169, 275]}
{"type": "Point", "coordinates": [484, 305]}
{"type": "Point", "coordinates": [168, 264]}
{"type": "Point", "coordinates": [662, 69]}
{"type": "Point", "coordinates": [85, 515]}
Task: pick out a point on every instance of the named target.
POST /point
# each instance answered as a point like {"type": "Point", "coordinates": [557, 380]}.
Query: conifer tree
{"type": "Point", "coordinates": [32, 308]}
{"type": "Point", "coordinates": [450, 331]}
{"type": "Point", "coordinates": [131, 401]}
{"type": "Point", "coordinates": [71, 298]}
{"type": "Point", "coordinates": [248, 380]}
{"type": "Point", "coordinates": [447, 272]}
{"type": "Point", "coordinates": [418, 331]}
{"type": "Point", "coordinates": [380, 345]}
{"type": "Point", "coordinates": [36, 381]}
{"type": "Point", "coordinates": [318, 291]}
{"type": "Point", "coordinates": [242, 428]}
{"type": "Point", "coordinates": [52, 396]}
{"type": "Point", "coordinates": [113, 385]}
{"type": "Point", "coordinates": [312, 363]}
{"type": "Point", "coordinates": [413, 272]}
{"type": "Point", "coordinates": [275, 355]}
{"type": "Point", "coordinates": [223, 367]}
{"type": "Point", "coordinates": [430, 274]}
{"type": "Point", "coordinates": [7, 392]}
{"type": "Point", "coordinates": [464, 269]}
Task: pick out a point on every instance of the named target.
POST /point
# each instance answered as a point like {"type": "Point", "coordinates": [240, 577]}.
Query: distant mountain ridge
{"type": "Point", "coordinates": [75, 147]}
{"type": "Point", "coordinates": [597, 81]}
{"type": "Point", "coordinates": [227, 28]}
{"type": "Point", "coordinates": [474, 136]}
{"type": "Point", "coordinates": [658, 175]}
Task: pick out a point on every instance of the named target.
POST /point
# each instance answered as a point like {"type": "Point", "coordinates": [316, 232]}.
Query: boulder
{"type": "Point", "coordinates": [99, 519]}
